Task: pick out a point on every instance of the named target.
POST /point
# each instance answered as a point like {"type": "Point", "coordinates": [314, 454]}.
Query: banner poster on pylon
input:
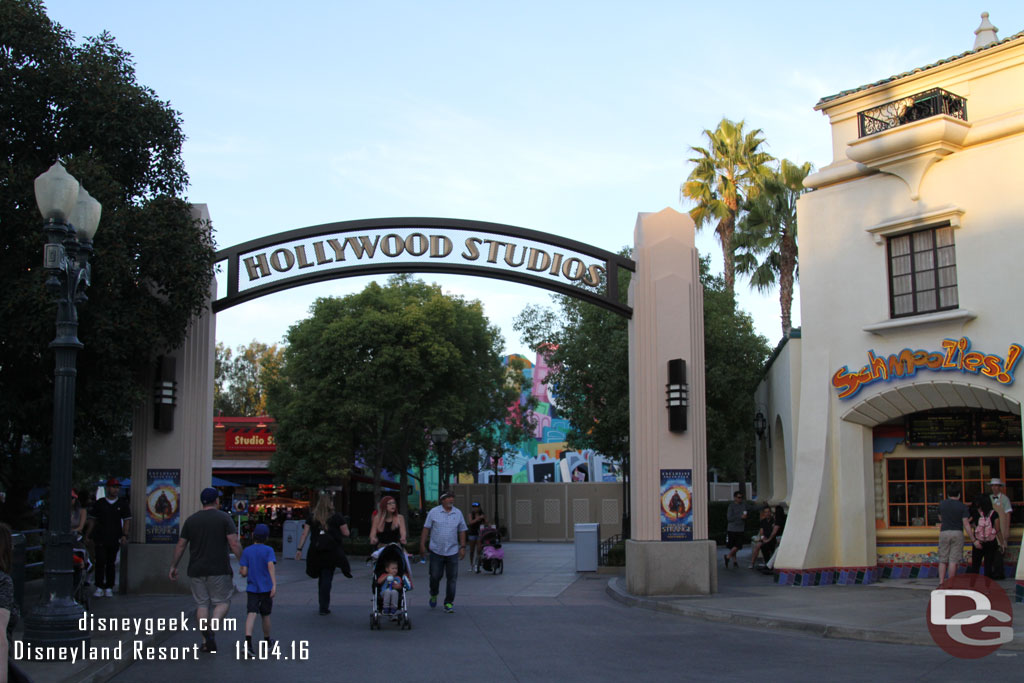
{"type": "Point", "coordinates": [677, 505]}
{"type": "Point", "coordinates": [163, 510]}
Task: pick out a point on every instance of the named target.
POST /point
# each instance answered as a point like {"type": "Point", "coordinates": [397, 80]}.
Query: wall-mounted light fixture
{"type": "Point", "coordinates": [165, 394]}
{"type": "Point", "coordinates": [761, 427]}
{"type": "Point", "coordinates": [676, 395]}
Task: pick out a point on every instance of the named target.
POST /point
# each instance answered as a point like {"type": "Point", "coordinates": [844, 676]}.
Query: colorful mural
{"type": "Point", "coordinates": [547, 457]}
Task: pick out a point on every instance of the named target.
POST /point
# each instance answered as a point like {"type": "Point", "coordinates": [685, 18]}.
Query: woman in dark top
{"type": "Point", "coordinates": [778, 525]}
{"type": "Point", "coordinates": [388, 524]}
{"type": "Point", "coordinates": [325, 549]}
{"type": "Point", "coordinates": [389, 527]}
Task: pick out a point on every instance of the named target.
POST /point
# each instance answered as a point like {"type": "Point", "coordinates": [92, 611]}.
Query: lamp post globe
{"type": "Point", "coordinates": [66, 254]}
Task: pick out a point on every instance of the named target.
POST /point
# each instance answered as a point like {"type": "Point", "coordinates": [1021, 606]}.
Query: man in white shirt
{"type": "Point", "coordinates": [444, 532]}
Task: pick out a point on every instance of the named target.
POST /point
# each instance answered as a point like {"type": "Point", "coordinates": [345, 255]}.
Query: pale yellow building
{"type": "Point", "coordinates": [901, 382]}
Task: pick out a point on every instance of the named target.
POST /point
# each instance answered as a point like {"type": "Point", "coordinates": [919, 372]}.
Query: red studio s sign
{"type": "Point", "coordinates": [956, 356]}
{"type": "Point", "coordinates": [249, 440]}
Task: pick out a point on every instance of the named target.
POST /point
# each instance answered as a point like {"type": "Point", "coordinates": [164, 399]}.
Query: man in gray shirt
{"type": "Point", "coordinates": [735, 530]}
{"type": "Point", "coordinates": [954, 518]}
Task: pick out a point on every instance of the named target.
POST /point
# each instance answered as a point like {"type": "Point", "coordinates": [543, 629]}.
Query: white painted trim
{"type": "Point", "coordinates": [946, 214]}
{"type": "Point", "coordinates": [900, 325]}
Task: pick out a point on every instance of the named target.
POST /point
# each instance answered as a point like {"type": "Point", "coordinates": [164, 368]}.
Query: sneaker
{"type": "Point", "coordinates": [249, 649]}
{"type": "Point", "coordinates": [324, 612]}
{"type": "Point", "coordinates": [209, 645]}
{"type": "Point", "coordinates": [98, 593]}
{"type": "Point", "coordinates": [108, 593]}
{"type": "Point", "coordinates": [433, 601]}
{"type": "Point", "coordinates": [449, 608]}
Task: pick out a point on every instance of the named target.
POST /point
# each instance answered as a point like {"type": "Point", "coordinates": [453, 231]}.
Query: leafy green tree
{"type": "Point", "coordinates": [734, 356]}
{"type": "Point", "coordinates": [724, 174]}
{"type": "Point", "coordinates": [369, 375]}
{"type": "Point", "coordinates": [766, 242]}
{"type": "Point", "coordinates": [588, 351]}
{"type": "Point", "coordinates": [241, 379]}
{"type": "Point", "coordinates": [152, 267]}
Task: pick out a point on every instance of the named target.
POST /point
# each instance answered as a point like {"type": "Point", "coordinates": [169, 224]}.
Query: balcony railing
{"type": "Point", "coordinates": [914, 108]}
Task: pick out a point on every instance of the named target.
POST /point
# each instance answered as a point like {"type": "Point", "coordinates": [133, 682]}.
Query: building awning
{"type": "Point", "coordinates": [921, 396]}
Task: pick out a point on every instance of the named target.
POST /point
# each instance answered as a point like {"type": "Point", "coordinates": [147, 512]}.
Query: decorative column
{"type": "Point", "coordinates": [667, 325]}
{"type": "Point", "coordinates": [182, 439]}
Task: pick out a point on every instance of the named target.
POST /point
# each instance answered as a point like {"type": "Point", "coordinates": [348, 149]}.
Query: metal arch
{"type": "Point", "coordinates": [609, 300]}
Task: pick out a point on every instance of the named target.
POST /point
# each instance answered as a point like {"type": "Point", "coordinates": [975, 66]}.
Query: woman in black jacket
{"type": "Point", "coordinates": [325, 547]}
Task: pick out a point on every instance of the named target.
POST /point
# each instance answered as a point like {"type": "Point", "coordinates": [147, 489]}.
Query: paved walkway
{"type": "Point", "coordinates": [890, 611]}
{"type": "Point", "coordinates": [542, 576]}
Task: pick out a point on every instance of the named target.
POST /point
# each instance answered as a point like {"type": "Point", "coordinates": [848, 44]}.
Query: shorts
{"type": "Point", "coordinates": [951, 546]}
{"type": "Point", "coordinates": [259, 603]}
{"type": "Point", "coordinates": [212, 590]}
{"type": "Point", "coordinates": [735, 539]}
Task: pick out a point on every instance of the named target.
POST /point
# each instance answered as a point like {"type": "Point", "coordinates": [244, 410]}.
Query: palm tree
{"type": "Point", "coordinates": [725, 172]}
{"type": "Point", "coordinates": [766, 247]}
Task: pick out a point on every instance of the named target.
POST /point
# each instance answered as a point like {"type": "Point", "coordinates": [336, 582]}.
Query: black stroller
{"type": "Point", "coordinates": [82, 572]}
{"type": "Point", "coordinates": [392, 552]}
{"type": "Point", "coordinates": [489, 556]}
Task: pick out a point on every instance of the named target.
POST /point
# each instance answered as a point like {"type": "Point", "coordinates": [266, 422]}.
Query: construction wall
{"type": "Point", "coordinates": [546, 511]}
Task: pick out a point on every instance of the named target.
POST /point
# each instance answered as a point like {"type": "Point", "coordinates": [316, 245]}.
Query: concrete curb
{"type": "Point", "coordinates": [617, 591]}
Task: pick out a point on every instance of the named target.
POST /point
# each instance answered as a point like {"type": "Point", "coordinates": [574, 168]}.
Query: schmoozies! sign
{"type": "Point", "coordinates": [956, 356]}
{"type": "Point", "coordinates": [421, 245]}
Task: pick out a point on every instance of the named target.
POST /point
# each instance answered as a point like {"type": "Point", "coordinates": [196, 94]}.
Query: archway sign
{"type": "Point", "coordinates": [421, 245]}
{"type": "Point", "coordinates": [669, 551]}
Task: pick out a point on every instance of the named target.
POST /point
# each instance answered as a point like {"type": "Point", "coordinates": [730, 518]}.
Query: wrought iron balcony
{"type": "Point", "coordinates": [909, 109]}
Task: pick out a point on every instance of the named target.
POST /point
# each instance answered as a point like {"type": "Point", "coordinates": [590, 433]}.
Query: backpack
{"type": "Point", "coordinates": [985, 531]}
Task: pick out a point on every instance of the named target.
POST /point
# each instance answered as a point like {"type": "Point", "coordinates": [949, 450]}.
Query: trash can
{"type": "Point", "coordinates": [291, 532]}
{"type": "Point", "coordinates": [588, 537]}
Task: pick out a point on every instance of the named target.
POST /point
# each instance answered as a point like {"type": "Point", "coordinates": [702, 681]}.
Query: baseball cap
{"type": "Point", "coordinates": [447, 494]}
{"type": "Point", "coordinates": [209, 495]}
{"type": "Point", "coordinates": [113, 482]}
{"type": "Point", "coordinates": [261, 532]}
{"type": "Point", "coordinates": [476, 505]}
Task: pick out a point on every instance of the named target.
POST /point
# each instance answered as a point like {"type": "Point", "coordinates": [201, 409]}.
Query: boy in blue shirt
{"type": "Point", "coordinates": [257, 565]}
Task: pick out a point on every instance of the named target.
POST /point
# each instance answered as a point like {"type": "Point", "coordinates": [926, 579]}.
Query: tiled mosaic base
{"type": "Point", "coordinates": [840, 576]}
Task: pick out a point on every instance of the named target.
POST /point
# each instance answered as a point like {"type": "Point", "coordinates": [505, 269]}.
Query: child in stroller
{"type": "Point", "coordinates": [390, 583]}
{"type": "Point", "coordinates": [490, 557]}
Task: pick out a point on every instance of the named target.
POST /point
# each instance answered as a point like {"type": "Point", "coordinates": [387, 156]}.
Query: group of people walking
{"type": "Point", "coordinates": [986, 523]}
{"type": "Point", "coordinates": [770, 527]}
{"type": "Point", "coordinates": [211, 538]}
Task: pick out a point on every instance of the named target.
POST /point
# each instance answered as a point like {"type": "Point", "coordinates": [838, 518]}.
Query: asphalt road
{"type": "Point", "coordinates": [538, 622]}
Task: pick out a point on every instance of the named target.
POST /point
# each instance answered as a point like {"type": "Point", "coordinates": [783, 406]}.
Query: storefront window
{"type": "Point", "coordinates": [916, 486]}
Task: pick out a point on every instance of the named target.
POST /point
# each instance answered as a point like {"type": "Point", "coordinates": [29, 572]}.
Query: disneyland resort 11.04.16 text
{"type": "Point", "coordinates": [139, 650]}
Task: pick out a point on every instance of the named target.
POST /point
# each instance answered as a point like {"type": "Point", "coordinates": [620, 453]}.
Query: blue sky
{"type": "Point", "coordinates": [564, 117]}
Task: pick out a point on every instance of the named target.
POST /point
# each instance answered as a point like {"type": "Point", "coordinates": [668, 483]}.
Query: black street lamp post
{"type": "Point", "coordinates": [72, 217]}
